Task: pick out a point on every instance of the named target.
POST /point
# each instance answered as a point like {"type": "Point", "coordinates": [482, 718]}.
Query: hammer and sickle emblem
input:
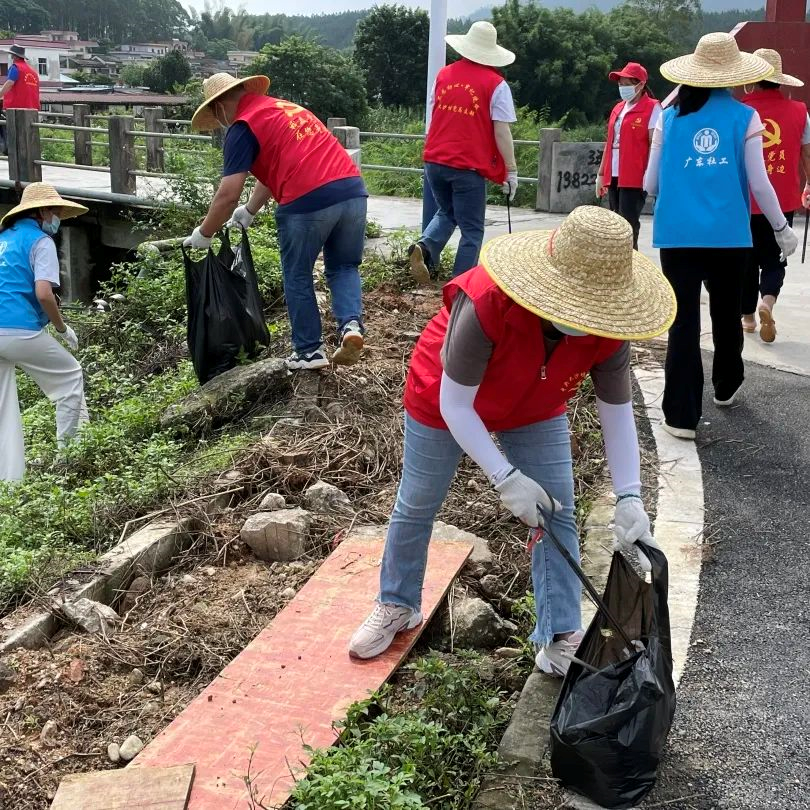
{"type": "Point", "coordinates": [771, 137]}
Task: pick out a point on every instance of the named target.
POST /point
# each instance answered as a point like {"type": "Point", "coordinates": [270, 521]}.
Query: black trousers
{"type": "Point", "coordinates": [721, 270]}
{"type": "Point", "coordinates": [627, 202]}
{"type": "Point", "coordinates": [765, 258]}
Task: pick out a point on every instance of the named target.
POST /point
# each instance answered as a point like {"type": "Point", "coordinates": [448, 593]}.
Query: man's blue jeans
{"type": "Point", "coordinates": [543, 452]}
{"type": "Point", "coordinates": [461, 195]}
{"type": "Point", "coordinates": [339, 231]}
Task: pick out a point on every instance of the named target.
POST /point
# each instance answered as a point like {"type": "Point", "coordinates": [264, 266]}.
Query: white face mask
{"type": "Point", "coordinates": [568, 330]}
{"type": "Point", "coordinates": [223, 122]}
{"type": "Point", "coordinates": [628, 91]}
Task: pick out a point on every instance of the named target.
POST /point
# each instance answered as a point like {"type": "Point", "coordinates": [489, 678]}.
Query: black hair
{"type": "Point", "coordinates": [766, 85]}
{"type": "Point", "coordinates": [691, 99]}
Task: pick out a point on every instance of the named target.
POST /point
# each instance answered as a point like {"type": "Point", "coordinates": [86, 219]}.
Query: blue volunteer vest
{"type": "Point", "coordinates": [19, 307]}
{"type": "Point", "coordinates": [703, 199]}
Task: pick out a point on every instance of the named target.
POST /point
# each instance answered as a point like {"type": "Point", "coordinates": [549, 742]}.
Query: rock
{"type": "Point", "coordinates": [155, 687]}
{"type": "Point", "coordinates": [271, 502]}
{"type": "Point", "coordinates": [229, 396]}
{"type": "Point", "coordinates": [481, 561]}
{"type": "Point", "coordinates": [138, 587]}
{"type": "Point", "coordinates": [279, 535]}
{"type": "Point", "coordinates": [323, 498]}
{"type": "Point", "coordinates": [76, 670]}
{"type": "Point", "coordinates": [8, 677]}
{"type": "Point", "coordinates": [20, 704]}
{"type": "Point", "coordinates": [113, 752]}
{"type": "Point", "coordinates": [210, 571]}
{"type": "Point", "coordinates": [507, 653]}
{"type": "Point", "coordinates": [334, 410]}
{"type": "Point", "coordinates": [188, 579]}
{"type": "Point", "coordinates": [476, 624]}
{"type": "Point", "coordinates": [93, 617]}
{"type": "Point", "coordinates": [48, 734]}
{"type": "Point", "coordinates": [288, 593]}
{"type": "Point", "coordinates": [130, 748]}
{"type": "Point", "coordinates": [316, 415]}
{"type": "Point", "coordinates": [136, 677]}
{"type": "Point", "coordinates": [490, 585]}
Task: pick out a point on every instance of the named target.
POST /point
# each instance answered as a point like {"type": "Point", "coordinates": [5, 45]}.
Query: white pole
{"type": "Point", "coordinates": [436, 49]}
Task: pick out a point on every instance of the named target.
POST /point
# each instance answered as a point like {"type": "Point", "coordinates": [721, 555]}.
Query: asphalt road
{"type": "Point", "coordinates": [741, 739]}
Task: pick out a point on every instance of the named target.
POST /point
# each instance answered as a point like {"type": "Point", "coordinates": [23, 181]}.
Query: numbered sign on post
{"type": "Point", "coordinates": [574, 172]}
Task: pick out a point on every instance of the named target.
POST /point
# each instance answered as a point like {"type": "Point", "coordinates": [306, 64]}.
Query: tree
{"type": "Point", "coordinates": [133, 75]}
{"type": "Point", "coordinates": [164, 73]}
{"type": "Point", "coordinates": [676, 18]}
{"type": "Point", "coordinates": [23, 16]}
{"type": "Point", "coordinates": [321, 79]}
{"type": "Point", "coordinates": [391, 47]}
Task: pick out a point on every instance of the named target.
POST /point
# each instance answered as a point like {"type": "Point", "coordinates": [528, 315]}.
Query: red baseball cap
{"type": "Point", "coordinates": [632, 70]}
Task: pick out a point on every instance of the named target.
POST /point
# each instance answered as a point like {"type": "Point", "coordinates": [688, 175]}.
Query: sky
{"type": "Point", "coordinates": [456, 8]}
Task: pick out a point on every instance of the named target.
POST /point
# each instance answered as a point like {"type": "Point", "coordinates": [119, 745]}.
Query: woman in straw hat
{"type": "Point", "coordinates": [706, 154]}
{"type": "Point", "coordinates": [514, 340]}
{"type": "Point", "coordinates": [469, 141]}
{"type": "Point", "coordinates": [629, 135]}
{"type": "Point", "coordinates": [321, 206]}
{"type": "Point", "coordinates": [29, 270]}
{"type": "Point", "coordinates": [786, 149]}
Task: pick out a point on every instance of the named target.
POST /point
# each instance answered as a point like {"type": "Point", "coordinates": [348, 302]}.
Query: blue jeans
{"type": "Point", "coordinates": [461, 197]}
{"type": "Point", "coordinates": [339, 231]}
{"type": "Point", "coordinates": [542, 451]}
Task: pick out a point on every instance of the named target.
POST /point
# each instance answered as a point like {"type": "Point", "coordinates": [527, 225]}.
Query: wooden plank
{"type": "Point", "coordinates": [126, 789]}
{"type": "Point", "coordinates": [293, 681]}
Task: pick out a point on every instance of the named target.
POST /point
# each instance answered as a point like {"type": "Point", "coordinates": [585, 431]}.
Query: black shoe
{"type": "Point", "coordinates": [419, 257]}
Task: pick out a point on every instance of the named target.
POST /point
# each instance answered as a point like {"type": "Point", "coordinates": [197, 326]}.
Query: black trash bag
{"type": "Point", "coordinates": [611, 723]}
{"type": "Point", "coordinates": [225, 319]}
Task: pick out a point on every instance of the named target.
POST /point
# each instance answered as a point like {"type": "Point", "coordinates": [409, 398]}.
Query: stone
{"type": "Point", "coordinates": [93, 617]}
{"type": "Point", "coordinates": [76, 670]}
{"type": "Point", "coordinates": [474, 623]}
{"type": "Point", "coordinates": [288, 593]}
{"type": "Point", "coordinates": [8, 677]}
{"type": "Point", "coordinates": [137, 588]}
{"type": "Point", "coordinates": [19, 705]}
{"type": "Point", "coordinates": [481, 561]}
{"type": "Point", "coordinates": [130, 748]}
{"type": "Point", "coordinates": [229, 396]}
{"type": "Point", "coordinates": [155, 687]}
{"type": "Point", "coordinates": [136, 677]}
{"type": "Point", "coordinates": [279, 535]}
{"type": "Point", "coordinates": [114, 752]}
{"type": "Point", "coordinates": [324, 498]}
{"type": "Point", "coordinates": [506, 653]}
{"type": "Point", "coordinates": [271, 502]}
{"type": "Point", "coordinates": [188, 579]}
{"type": "Point", "coordinates": [48, 734]}
{"type": "Point", "coordinates": [491, 585]}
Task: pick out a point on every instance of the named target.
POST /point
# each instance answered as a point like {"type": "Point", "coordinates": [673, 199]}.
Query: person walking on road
{"type": "Point", "coordinates": [706, 156]}
{"type": "Point", "coordinates": [627, 148]}
{"type": "Point", "coordinates": [514, 340]}
{"type": "Point", "coordinates": [20, 91]}
{"type": "Point", "coordinates": [321, 198]}
{"type": "Point", "coordinates": [786, 149]}
{"type": "Point", "coordinates": [469, 141]}
{"type": "Point", "coordinates": [29, 270]}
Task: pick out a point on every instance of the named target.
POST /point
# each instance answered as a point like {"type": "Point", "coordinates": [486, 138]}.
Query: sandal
{"type": "Point", "coordinates": [767, 325]}
{"type": "Point", "coordinates": [748, 327]}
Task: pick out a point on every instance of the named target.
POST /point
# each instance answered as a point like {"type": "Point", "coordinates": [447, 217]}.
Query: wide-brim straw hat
{"type": "Point", "coordinates": [774, 58]}
{"type": "Point", "coordinates": [480, 44]}
{"type": "Point", "coordinates": [216, 86]}
{"type": "Point", "coordinates": [44, 195]}
{"type": "Point", "coordinates": [717, 62]}
{"type": "Point", "coordinates": [585, 275]}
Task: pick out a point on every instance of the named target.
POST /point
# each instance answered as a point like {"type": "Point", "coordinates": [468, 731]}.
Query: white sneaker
{"type": "Point", "coordinates": [298, 361]}
{"type": "Point", "coordinates": [351, 345]}
{"type": "Point", "coordinates": [727, 403]}
{"type": "Point", "coordinates": [552, 659]}
{"type": "Point", "coordinates": [377, 632]}
{"type": "Point", "coordinates": [679, 433]}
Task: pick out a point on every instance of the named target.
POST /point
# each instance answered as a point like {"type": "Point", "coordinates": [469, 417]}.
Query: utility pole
{"type": "Point", "coordinates": [436, 59]}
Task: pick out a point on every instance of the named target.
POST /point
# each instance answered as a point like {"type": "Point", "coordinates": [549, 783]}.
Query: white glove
{"type": "Point", "coordinates": [241, 217]}
{"type": "Point", "coordinates": [806, 195]}
{"type": "Point", "coordinates": [630, 523]}
{"type": "Point", "coordinates": [510, 187]}
{"type": "Point", "coordinates": [68, 337]}
{"type": "Point", "coordinates": [787, 240]}
{"type": "Point", "coordinates": [197, 240]}
{"type": "Point", "coordinates": [522, 495]}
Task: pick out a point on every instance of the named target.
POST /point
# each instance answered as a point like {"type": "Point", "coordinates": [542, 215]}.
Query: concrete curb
{"type": "Point", "coordinates": [148, 551]}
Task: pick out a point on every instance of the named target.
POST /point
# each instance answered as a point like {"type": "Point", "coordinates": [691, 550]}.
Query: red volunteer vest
{"type": "Point", "coordinates": [634, 143]}
{"type": "Point", "coordinates": [297, 153]}
{"type": "Point", "coordinates": [461, 134]}
{"type": "Point", "coordinates": [24, 93]}
{"type": "Point", "coordinates": [784, 122]}
{"type": "Point", "coordinates": [521, 385]}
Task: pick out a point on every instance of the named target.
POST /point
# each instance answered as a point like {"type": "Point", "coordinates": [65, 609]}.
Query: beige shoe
{"type": "Point", "coordinates": [419, 268]}
{"type": "Point", "coordinates": [767, 325]}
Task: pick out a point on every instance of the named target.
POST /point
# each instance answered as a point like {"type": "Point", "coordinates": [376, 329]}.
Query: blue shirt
{"type": "Point", "coordinates": [13, 74]}
{"type": "Point", "coordinates": [703, 197]}
{"type": "Point", "coordinates": [240, 150]}
{"type": "Point", "coordinates": [19, 305]}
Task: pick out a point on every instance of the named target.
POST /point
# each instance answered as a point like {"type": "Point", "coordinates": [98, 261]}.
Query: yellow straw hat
{"type": "Point", "coordinates": [44, 195]}
{"type": "Point", "coordinates": [774, 58]}
{"type": "Point", "coordinates": [216, 86]}
{"type": "Point", "coordinates": [480, 44]}
{"type": "Point", "coordinates": [584, 275]}
{"type": "Point", "coordinates": [717, 62]}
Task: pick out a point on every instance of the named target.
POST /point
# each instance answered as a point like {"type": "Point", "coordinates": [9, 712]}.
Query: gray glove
{"type": "Point", "coordinates": [522, 495]}
{"type": "Point", "coordinates": [631, 523]}
{"type": "Point", "coordinates": [787, 240]}
{"type": "Point", "coordinates": [510, 186]}
{"type": "Point", "coordinates": [68, 337]}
